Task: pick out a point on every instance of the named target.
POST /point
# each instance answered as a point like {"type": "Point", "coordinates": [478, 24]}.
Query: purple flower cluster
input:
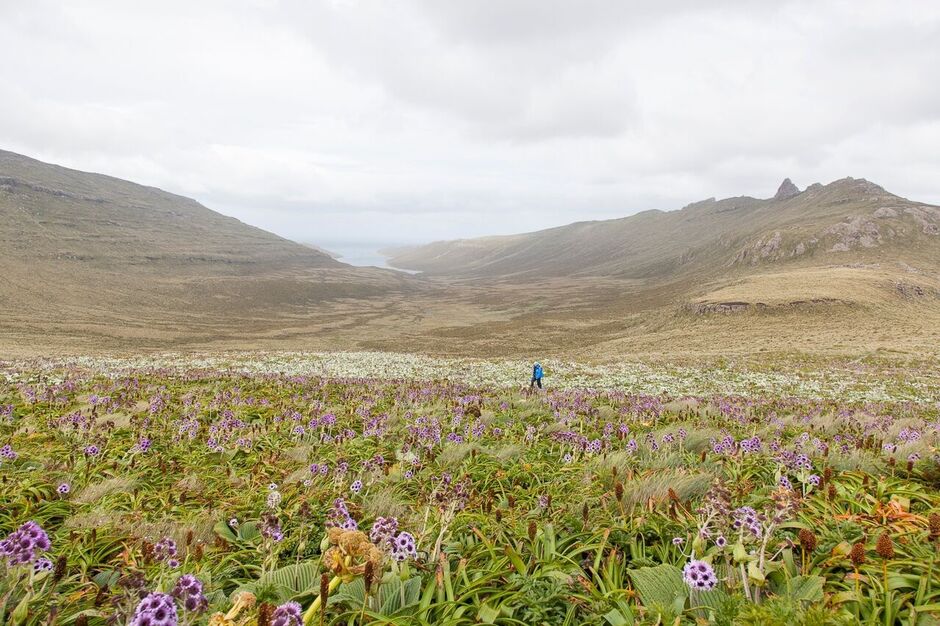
{"type": "Point", "coordinates": [747, 518]}
{"type": "Point", "coordinates": [383, 531]}
{"type": "Point", "coordinates": [157, 609]}
{"type": "Point", "coordinates": [751, 445]}
{"type": "Point", "coordinates": [23, 544]}
{"type": "Point", "coordinates": [7, 452]}
{"type": "Point", "coordinates": [165, 551]}
{"type": "Point", "coordinates": [339, 516]}
{"type": "Point", "coordinates": [287, 614]}
{"type": "Point", "coordinates": [404, 547]}
{"type": "Point", "coordinates": [699, 575]}
{"type": "Point", "coordinates": [319, 469]}
{"type": "Point", "coordinates": [42, 564]}
{"type": "Point", "coordinates": [271, 527]}
{"type": "Point", "coordinates": [188, 590]}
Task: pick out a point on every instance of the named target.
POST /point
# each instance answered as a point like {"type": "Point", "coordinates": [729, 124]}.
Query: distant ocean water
{"type": "Point", "coordinates": [361, 254]}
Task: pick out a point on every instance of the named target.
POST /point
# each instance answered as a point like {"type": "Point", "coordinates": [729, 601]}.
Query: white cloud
{"type": "Point", "coordinates": [413, 120]}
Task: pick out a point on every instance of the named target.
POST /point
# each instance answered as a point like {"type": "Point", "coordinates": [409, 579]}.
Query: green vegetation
{"type": "Point", "coordinates": [208, 496]}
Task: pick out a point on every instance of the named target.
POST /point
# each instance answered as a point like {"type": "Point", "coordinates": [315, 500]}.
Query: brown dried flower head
{"type": "Point", "coordinates": [885, 546]}
{"type": "Point", "coordinates": [857, 555]}
{"type": "Point", "coordinates": [808, 540]}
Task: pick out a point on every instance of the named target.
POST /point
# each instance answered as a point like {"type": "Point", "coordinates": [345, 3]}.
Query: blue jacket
{"type": "Point", "coordinates": [537, 371]}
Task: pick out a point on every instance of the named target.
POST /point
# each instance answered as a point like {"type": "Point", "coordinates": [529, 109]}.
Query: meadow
{"type": "Point", "coordinates": [365, 488]}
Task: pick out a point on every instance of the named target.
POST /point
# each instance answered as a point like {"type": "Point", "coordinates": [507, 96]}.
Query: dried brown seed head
{"type": "Point", "coordinates": [857, 555]}
{"type": "Point", "coordinates": [885, 546]}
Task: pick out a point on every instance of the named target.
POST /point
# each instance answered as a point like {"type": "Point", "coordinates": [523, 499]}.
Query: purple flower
{"type": "Point", "coordinates": [383, 530]}
{"type": "Point", "coordinates": [157, 609]}
{"type": "Point", "coordinates": [7, 452]}
{"type": "Point", "coordinates": [165, 551]}
{"type": "Point", "coordinates": [22, 544]}
{"type": "Point", "coordinates": [287, 614]}
{"type": "Point", "coordinates": [678, 541]}
{"type": "Point", "coordinates": [42, 565]}
{"type": "Point", "coordinates": [404, 547]}
{"type": "Point", "coordinates": [720, 541]}
{"type": "Point", "coordinates": [92, 450]}
{"type": "Point", "coordinates": [699, 575]}
{"type": "Point", "coordinates": [188, 590]}
{"type": "Point", "coordinates": [356, 487]}
{"type": "Point", "coordinates": [64, 488]}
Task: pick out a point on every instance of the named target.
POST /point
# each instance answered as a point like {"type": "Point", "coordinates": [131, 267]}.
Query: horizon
{"type": "Point", "coordinates": [360, 122]}
{"type": "Point", "coordinates": [367, 252]}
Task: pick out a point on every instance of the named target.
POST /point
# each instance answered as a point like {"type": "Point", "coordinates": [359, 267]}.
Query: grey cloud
{"type": "Point", "coordinates": [337, 119]}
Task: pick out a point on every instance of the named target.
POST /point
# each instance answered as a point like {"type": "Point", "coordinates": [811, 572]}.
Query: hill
{"type": "Point", "coordinates": [847, 219]}
{"type": "Point", "coordinates": [845, 268]}
{"type": "Point", "coordinates": [86, 257]}
{"type": "Point", "coordinates": [92, 264]}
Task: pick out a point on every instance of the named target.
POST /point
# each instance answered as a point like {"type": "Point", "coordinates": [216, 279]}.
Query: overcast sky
{"type": "Point", "coordinates": [414, 120]}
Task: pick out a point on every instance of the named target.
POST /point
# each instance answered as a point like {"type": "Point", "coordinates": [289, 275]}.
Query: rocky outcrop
{"type": "Point", "coordinates": [855, 232]}
{"type": "Point", "coordinates": [786, 190]}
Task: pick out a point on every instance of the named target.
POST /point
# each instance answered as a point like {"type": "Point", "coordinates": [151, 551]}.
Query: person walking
{"type": "Point", "coordinates": [537, 374]}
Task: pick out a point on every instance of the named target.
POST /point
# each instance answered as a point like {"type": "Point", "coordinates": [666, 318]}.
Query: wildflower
{"type": "Point", "coordinates": [188, 590]}
{"type": "Point", "coordinates": [885, 546]}
{"type": "Point", "coordinates": [42, 565]}
{"type": "Point", "coordinates": [274, 499]}
{"type": "Point", "coordinates": [808, 540]}
{"type": "Point", "coordinates": [63, 489]}
{"type": "Point", "coordinates": [165, 550]}
{"type": "Point", "coordinates": [404, 547]}
{"type": "Point", "coordinates": [233, 522]}
{"type": "Point", "coordinates": [699, 575]}
{"type": "Point", "coordinates": [271, 528]}
{"type": "Point", "coordinates": [857, 554]}
{"type": "Point", "coordinates": [933, 521]}
{"type": "Point", "coordinates": [356, 486]}
{"type": "Point", "coordinates": [720, 541]}
{"type": "Point", "coordinates": [157, 609]}
{"type": "Point", "coordinates": [287, 614]}
{"type": "Point", "coordinates": [7, 452]}
{"type": "Point", "coordinates": [383, 531]}
{"type": "Point", "coordinates": [21, 545]}
{"type": "Point", "coordinates": [814, 479]}
{"type": "Point", "coordinates": [92, 450]}
{"type": "Point", "coordinates": [678, 541]}
{"type": "Point", "coordinates": [272, 487]}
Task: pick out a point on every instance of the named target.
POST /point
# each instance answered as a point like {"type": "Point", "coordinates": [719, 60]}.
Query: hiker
{"type": "Point", "coordinates": [536, 375]}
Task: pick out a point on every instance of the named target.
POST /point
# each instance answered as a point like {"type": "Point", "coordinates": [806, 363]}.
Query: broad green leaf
{"type": "Point", "coordinates": [487, 614]}
{"type": "Point", "coordinates": [806, 588]}
{"type": "Point", "coordinates": [662, 584]}
{"type": "Point", "coordinates": [223, 530]}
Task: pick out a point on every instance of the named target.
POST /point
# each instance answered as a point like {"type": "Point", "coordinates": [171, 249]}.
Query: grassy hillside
{"type": "Point", "coordinates": [849, 220]}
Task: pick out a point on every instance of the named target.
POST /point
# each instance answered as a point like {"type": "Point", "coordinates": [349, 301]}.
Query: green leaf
{"type": "Point", "coordinates": [248, 532]}
{"type": "Point", "coordinates": [223, 530]}
{"type": "Point", "coordinates": [754, 573]}
{"type": "Point", "coordinates": [615, 617]}
{"type": "Point", "coordinates": [805, 588]}
{"type": "Point", "coordinates": [662, 584]}
{"type": "Point", "coordinates": [289, 582]}
{"type": "Point", "coordinates": [390, 594]}
{"type": "Point", "coordinates": [21, 612]}
{"type": "Point", "coordinates": [487, 614]}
